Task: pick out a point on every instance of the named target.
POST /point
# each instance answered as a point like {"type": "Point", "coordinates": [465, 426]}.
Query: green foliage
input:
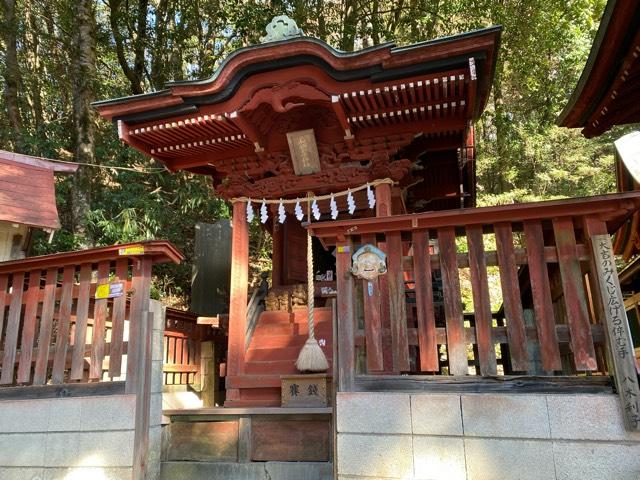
{"type": "Point", "coordinates": [522, 156]}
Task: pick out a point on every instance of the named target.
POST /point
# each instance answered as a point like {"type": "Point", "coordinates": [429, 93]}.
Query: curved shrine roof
{"type": "Point", "coordinates": [371, 112]}
{"type": "Point", "coordinates": [607, 93]}
{"type": "Point", "coordinates": [377, 63]}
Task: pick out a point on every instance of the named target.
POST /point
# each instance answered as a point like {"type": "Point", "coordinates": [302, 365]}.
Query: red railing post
{"type": "Point", "coordinates": [345, 320]}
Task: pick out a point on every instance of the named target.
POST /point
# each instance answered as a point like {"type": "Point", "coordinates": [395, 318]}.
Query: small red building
{"type": "Point", "coordinates": [27, 200]}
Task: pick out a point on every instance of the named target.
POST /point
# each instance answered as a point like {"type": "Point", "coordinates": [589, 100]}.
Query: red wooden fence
{"type": "Point", "coordinates": [54, 329]}
{"type": "Point", "coordinates": [182, 339]}
{"type": "Point", "coordinates": [549, 321]}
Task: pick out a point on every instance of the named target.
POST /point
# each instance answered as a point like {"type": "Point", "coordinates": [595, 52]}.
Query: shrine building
{"type": "Point", "coordinates": [361, 166]}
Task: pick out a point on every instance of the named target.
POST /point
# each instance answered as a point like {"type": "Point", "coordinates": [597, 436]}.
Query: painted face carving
{"type": "Point", "coordinates": [368, 263]}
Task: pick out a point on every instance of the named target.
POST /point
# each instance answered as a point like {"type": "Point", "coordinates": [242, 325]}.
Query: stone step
{"type": "Point", "coordinates": [246, 471]}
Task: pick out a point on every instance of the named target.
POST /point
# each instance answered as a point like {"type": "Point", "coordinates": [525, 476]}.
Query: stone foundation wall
{"type": "Point", "coordinates": [67, 438]}
{"type": "Point", "coordinates": [484, 437]}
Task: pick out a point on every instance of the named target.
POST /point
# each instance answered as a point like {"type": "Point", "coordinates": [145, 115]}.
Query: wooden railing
{"type": "Point", "coordinates": [183, 338]}
{"type": "Point", "coordinates": [58, 323]}
{"type": "Point", "coordinates": [256, 307]}
{"type": "Point", "coordinates": [548, 322]}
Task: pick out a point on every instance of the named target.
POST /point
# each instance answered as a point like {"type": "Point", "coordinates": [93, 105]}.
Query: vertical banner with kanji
{"type": "Point", "coordinates": [618, 333]}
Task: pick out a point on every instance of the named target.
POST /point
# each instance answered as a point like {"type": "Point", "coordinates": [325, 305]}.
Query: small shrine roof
{"type": "Point", "coordinates": [607, 93]}
{"type": "Point", "coordinates": [27, 190]}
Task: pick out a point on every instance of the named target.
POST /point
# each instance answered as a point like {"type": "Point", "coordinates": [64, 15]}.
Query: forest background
{"type": "Point", "coordinates": [57, 56]}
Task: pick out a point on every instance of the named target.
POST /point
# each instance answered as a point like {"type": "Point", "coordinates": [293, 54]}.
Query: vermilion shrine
{"type": "Point", "coordinates": [402, 113]}
{"type": "Point", "coordinates": [463, 342]}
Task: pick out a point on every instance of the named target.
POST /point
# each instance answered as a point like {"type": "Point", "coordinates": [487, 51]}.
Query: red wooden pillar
{"type": "Point", "coordinates": [238, 294]}
{"type": "Point", "coordinates": [384, 208]}
{"type": "Point", "coordinates": [397, 203]}
{"type": "Point", "coordinates": [383, 200]}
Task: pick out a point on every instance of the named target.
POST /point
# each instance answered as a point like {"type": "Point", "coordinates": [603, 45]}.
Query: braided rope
{"type": "Point", "coordinates": [310, 286]}
{"type": "Point", "coordinates": [310, 198]}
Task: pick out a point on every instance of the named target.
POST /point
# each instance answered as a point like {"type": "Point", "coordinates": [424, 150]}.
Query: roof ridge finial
{"type": "Point", "coordinates": [281, 28]}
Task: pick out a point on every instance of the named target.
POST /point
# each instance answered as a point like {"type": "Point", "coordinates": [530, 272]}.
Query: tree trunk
{"type": "Point", "coordinates": [376, 23]}
{"type": "Point", "coordinates": [175, 56]}
{"type": "Point", "coordinates": [349, 25]}
{"type": "Point", "coordinates": [322, 24]}
{"type": "Point", "coordinates": [141, 39]}
{"type": "Point", "coordinates": [132, 75]}
{"type": "Point", "coordinates": [12, 73]}
{"type": "Point", "coordinates": [159, 50]}
{"type": "Point", "coordinates": [34, 64]}
{"type": "Point", "coordinates": [84, 68]}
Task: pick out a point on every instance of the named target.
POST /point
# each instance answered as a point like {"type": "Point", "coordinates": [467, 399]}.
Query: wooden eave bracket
{"type": "Point", "coordinates": [249, 131]}
{"type": "Point", "coordinates": [124, 136]}
{"type": "Point", "coordinates": [344, 122]}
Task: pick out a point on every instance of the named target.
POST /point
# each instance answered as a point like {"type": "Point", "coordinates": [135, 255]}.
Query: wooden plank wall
{"type": "Point", "coordinates": [527, 255]}
{"type": "Point", "coordinates": [182, 340]}
{"type": "Point", "coordinates": [54, 331]}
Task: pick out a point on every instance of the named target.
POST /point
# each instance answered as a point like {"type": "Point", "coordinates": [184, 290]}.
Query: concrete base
{"type": "Point", "coordinates": [484, 437]}
{"type": "Point", "coordinates": [180, 399]}
{"type": "Point", "coordinates": [67, 438]}
{"type": "Point", "coordinates": [247, 471]}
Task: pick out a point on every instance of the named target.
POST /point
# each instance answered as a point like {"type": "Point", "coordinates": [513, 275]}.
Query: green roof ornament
{"type": "Point", "coordinates": [281, 28]}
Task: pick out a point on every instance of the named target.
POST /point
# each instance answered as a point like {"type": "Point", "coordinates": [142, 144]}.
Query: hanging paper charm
{"type": "Point", "coordinates": [334, 208]}
{"type": "Point", "coordinates": [263, 212]}
{"type": "Point", "coordinates": [371, 197]}
{"type": "Point", "coordinates": [298, 211]}
{"type": "Point", "coordinates": [250, 214]}
{"type": "Point", "coordinates": [315, 210]}
{"type": "Point", "coordinates": [351, 203]}
{"type": "Point", "coordinates": [282, 215]}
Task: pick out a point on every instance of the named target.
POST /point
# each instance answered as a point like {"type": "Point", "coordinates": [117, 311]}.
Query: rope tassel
{"type": "Point", "coordinates": [311, 357]}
